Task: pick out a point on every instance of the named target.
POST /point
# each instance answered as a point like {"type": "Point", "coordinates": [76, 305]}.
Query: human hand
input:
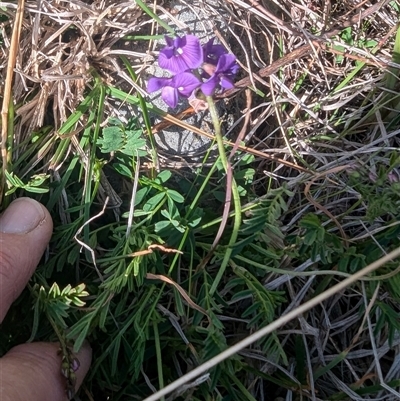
{"type": "Point", "coordinates": [29, 371]}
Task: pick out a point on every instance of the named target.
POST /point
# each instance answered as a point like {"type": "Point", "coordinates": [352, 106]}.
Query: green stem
{"type": "Point", "coordinates": [235, 194]}
{"type": "Point", "coordinates": [159, 357]}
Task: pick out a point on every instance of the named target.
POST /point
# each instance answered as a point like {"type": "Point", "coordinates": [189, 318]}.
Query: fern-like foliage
{"type": "Point", "coordinates": [56, 302]}
{"type": "Point", "coordinates": [261, 306]}
{"type": "Point", "coordinates": [317, 242]}
{"type": "Point", "coordinates": [262, 219]}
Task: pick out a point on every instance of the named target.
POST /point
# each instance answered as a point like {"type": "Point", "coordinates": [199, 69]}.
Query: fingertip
{"type": "Point", "coordinates": [25, 230]}
{"type": "Point", "coordinates": [84, 357]}
{"type": "Point", "coordinates": [25, 215]}
{"type": "Point", "coordinates": [33, 371]}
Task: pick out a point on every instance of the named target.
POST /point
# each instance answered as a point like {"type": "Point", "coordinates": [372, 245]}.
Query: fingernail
{"type": "Point", "coordinates": [22, 216]}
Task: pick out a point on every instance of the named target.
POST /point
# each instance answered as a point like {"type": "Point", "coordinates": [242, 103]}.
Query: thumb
{"type": "Point", "coordinates": [33, 372]}
{"type": "Point", "coordinates": [25, 230]}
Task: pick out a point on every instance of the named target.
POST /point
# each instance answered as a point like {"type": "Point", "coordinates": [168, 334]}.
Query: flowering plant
{"type": "Point", "coordinates": [209, 68]}
{"type": "Point", "coordinates": [205, 69]}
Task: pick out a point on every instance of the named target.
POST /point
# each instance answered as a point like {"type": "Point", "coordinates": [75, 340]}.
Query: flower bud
{"type": "Point", "coordinates": [75, 364]}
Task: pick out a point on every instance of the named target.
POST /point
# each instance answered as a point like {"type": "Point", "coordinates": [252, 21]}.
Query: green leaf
{"type": "Point", "coordinates": [241, 295]}
{"type": "Point", "coordinates": [113, 139]}
{"type": "Point", "coordinates": [234, 282]}
{"type": "Point", "coordinates": [194, 222]}
{"type": "Point", "coordinates": [178, 226]}
{"type": "Point", "coordinates": [246, 174]}
{"type": "Point", "coordinates": [141, 194]}
{"type": "Point", "coordinates": [310, 221]}
{"type": "Point", "coordinates": [135, 144]}
{"type": "Point", "coordinates": [123, 170]}
{"type": "Point", "coordinates": [115, 121]}
{"type": "Point", "coordinates": [36, 312]}
{"type": "Point", "coordinates": [116, 348]}
{"type": "Point", "coordinates": [54, 291]}
{"type": "Point", "coordinates": [80, 289]}
{"type": "Point", "coordinates": [153, 202]}
{"type": "Point", "coordinates": [219, 196]}
{"type": "Point", "coordinates": [66, 290]}
{"type": "Point", "coordinates": [172, 209]}
{"type": "Point", "coordinates": [310, 237]}
{"type": "Point", "coordinates": [81, 338]}
{"type": "Point", "coordinates": [11, 191]}
{"type": "Point", "coordinates": [166, 214]}
{"type": "Point", "coordinates": [347, 36]}
{"type": "Point", "coordinates": [241, 190]}
{"type": "Point", "coordinates": [163, 176]}
{"type": "Point", "coordinates": [37, 190]}
{"type": "Point", "coordinates": [251, 309]}
{"type": "Point", "coordinates": [38, 179]}
{"type": "Point", "coordinates": [176, 196]}
{"type": "Point", "coordinates": [160, 225]}
{"type": "Point", "coordinates": [77, 302]}
{"type": "Point", "coordinates": [14, 180]}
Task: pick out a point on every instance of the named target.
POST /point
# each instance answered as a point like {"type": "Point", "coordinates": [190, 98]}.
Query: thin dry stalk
{"type": "Point", "coordinates": [12, 57]}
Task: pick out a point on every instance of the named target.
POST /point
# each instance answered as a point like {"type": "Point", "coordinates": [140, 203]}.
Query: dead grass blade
{"type": "Point", "coordinates": [7, 99]}
{"type": "Point", "coordinates": [181, 291]}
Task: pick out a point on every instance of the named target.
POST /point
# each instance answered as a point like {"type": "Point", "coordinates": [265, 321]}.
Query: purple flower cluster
{"type": "Point", "coordinates": [208, 68]}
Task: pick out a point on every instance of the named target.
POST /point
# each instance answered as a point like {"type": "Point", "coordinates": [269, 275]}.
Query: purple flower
{"type": "Point", "coordinates": [183, 84]}
{"type": "Point", "coordinates": [222, 74]}
{"type": "Point", "coordinates": [208, 67]}
{"type": "Point", "coordinates": [181, 54]}
{"type": "Point", "coordinates": [212, 52]}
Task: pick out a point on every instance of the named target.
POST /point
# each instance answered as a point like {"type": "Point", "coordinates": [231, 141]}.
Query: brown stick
{"type": "Point", "coordinates": [12, 56]}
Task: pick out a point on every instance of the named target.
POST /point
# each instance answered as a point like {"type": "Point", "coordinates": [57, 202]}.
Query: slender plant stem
{"type": "Point", "coordinates": [159, 357]}
{"type": "Point", "coordinates": [235, 194]}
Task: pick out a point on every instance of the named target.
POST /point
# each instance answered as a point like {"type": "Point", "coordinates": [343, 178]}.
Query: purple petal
{"type": "Point", "coordinates": [213, 52]}
{"type": "Point", "coordinates": [234, 69]}
{"type": "Point", "coordinates": [168, 60]}
{"type": "Point", "coordinates": [169, 41]}
{"type": "Point", "coordinates": [192, 52]}
{"type": "Point", "coordinates": [226, 63]}
{"type": "Point", "coordinates": [225, 82]}
{"type": "Point", "coordinates": [170, 96]}
{"type": "Point", "coordinates": [185, 83]}
{"type": "Point", "coordinates": [168, 52]}
{"type": "Point", "coordinates": [208, 87]}
{"type": "Point", "coordinates": [179, 42]}
{"type": "Point", "coordinates": [156, 84]}
{"type": "Point", "coordinates": [181, 54]}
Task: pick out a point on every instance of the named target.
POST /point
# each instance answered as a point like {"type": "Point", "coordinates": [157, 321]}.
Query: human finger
{"type": "Point", "coordinates": [25, 230]}
{"type": "Point", "coordinates": [33, 372]}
